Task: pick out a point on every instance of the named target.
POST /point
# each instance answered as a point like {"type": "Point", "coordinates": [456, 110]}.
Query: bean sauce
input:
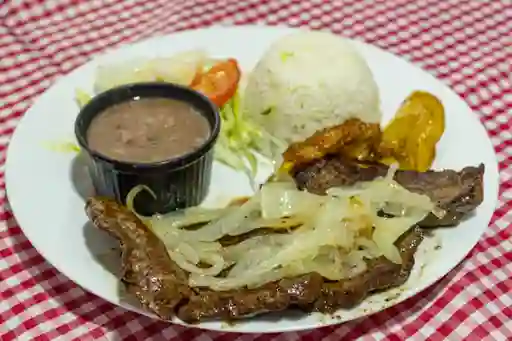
{"type": "Point", "coordinates": [148, 130]}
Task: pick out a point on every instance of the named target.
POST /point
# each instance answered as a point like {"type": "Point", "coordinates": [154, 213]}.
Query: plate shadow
{"type": "Point", "coordinates": [80, 178]}
{"type": "Point", "coordinates": [106, 251]}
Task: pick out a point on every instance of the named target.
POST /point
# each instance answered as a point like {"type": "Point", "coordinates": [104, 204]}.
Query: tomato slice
{"type": "Point", "coordinates": [219, 83]}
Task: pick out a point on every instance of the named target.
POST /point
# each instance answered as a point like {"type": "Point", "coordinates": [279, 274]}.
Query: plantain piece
{"type": "Point", "coordinates": [336, 139]}
{"type": "Point", "coordinates": [411, 136]}
{"type": "Point", "coordinates": [364, 151]}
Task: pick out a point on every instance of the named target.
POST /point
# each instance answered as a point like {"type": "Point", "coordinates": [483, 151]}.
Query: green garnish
{"type": "Point", "coordinates": [267, 111]}
{"type": "Point", "coordinates": [63, 147]}
{"type": "Point", "coordinates": [82, 97]}
{"type": "Point", "coordinates": [286, 55]}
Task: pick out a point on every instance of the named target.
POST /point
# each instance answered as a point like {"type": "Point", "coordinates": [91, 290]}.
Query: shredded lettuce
{"type": "Point", "coordinates": [239, 139]}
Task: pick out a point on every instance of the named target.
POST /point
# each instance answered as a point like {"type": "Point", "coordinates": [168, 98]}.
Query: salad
{"type": "Point", "coordinates": [240, 140]}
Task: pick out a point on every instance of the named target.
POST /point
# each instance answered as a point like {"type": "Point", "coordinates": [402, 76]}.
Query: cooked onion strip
{"type": "Point", "coordinates": [130, 198]}
{"type": "Point", "coordinates": [189, 217]}
{"type": "Point", "coordinates": [333, 235]}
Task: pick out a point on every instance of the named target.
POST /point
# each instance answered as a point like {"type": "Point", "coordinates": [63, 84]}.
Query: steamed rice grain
{"type": "Point", "coordinates": [308, 81]}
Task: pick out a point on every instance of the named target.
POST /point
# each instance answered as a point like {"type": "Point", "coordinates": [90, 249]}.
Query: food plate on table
{"type": "Point", "coordinates": [310, 188]}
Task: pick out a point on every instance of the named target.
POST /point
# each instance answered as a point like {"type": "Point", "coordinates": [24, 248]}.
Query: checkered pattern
{"type": "Point", "coordinates": [466, 43]}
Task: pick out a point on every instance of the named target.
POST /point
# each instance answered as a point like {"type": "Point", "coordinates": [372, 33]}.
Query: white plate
{"type": "Point", "coordinates": [45, 187]}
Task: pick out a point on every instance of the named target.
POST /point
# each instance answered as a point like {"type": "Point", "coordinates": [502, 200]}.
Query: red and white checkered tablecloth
{"type": "Point", "coordinates": [466, 43]}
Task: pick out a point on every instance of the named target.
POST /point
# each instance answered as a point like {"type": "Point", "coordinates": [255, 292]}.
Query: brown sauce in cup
{"type": "Point", "coordinates": [148, 130]}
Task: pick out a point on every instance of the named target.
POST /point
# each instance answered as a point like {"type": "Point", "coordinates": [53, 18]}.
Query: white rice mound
{"type": "Point", "coordinates": [308, 81]}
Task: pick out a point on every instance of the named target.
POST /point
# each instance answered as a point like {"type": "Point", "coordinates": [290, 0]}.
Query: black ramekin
{"type": "Point", "coordinates": [177, 183]}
